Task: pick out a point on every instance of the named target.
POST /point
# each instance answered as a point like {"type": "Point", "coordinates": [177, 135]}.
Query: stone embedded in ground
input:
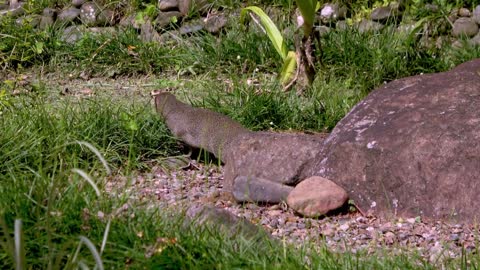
{"type": "Point", "coordinates": [383, 14]}
{"type": "Point", "coordinates": [106, 17]}
{"type": "Point", "coordinates": [476, 14]}
{"type": "Point", "coordinates": [88, 13]}
{"type": "Point", "coordinates": [190, 28]}
{"type": "Point", "coordinates": [148, 32]}
{"type": "Point", "coordinates": [165, 18]}
{"type": "Point", "coordinates": [168, 5]}
{"type": "Point", "coordinates": [316, 196]}
{"type": "Point", "coordinates": [73, 33]}
{"type": "Point", "coordinates": [215, 23]}
{"type": "Point", "coordinates": [68, 15]}
{"type": "Point", "coordinates": [412, 147]}
{"type": "Point", "coordinates": [14, 10]}
{"type": "Point", "coordinates": [365, 26]}
{"type": "Point", "coordinates": [475, 41]}
{"type": "Point", "coordinates": [78, 3]}
{"type": "Point", "coordinates": [184, 6]}
{"type": "Point", "coordinates": [332, 13]}
{"type": "Point", "coordinates": [322, 30]}
{"type": "Point", "coordinates": [222, 220]}
{"type": "Point", "coordinates": [464, 12]}
{"type": "Point", "coordinates": [464, 27]}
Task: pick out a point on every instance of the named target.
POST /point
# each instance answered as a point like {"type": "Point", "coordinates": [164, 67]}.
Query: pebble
{"type": "Point", "coordinates": [346, 232]}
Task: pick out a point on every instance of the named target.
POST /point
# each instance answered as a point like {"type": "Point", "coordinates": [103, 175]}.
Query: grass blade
{"type": "Point", "coordinates": [97, 153]}
{"type": "Point", "coordinates": [87, 177]}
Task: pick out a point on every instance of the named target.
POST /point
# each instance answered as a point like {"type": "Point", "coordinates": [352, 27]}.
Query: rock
{"type": "Point", "coordinates": [383, 14]}
{"type": "Point", "coordinates": [106, 17]}
{"type": "Point", "coordinates": [332, 13]}
{"type": "Point", "coordinates": [73, 33]}
{"type": "Point", "coordinates": [88, 13]}
{"type": "Point", "coordinates": [148, 32]}
{"type": "Point", "coordinates": [464, 12]}
{"type": "Point", "coordinates": [168, 5]}
{"type": "Point", "coordinates": [316, 196]}
{"type": "Point", "coordinates": [369, 26]}
{"type": "Point", "coordinates": [341, 25]}
{"type": "Point", "coordinates": [464, 27]}
{"type": "Point", "coordinates": [222, 220]}
{"type": "Point", "coordinates": [165, 18]}
{"type": "Point", "coordinates": [431, 7]}
{"type": "Point", "coordinates": [78, 3]}
{"type": "Point", "coordinates": [45, 22]}
{"type": "Point", "coordinates": [32, 20]}
{"type": "Point", "coordinates": [215, 23]}
{"type": "Point", "coordinates": [184, 6]}
{"type": "Point", "coordinates": [15, 9]}
{"type": "Point", "coordinates": [190, 28]}
{"type": "Point", "coordinates": [254, 189]}
{"type": "Point", "coordinates": [68, 15]}
{"type": "Point", "coordinates": [476, 14]}
{"type": "Point", "coordinates": [411, 148]}
{"type": "Point", "coordinates": [47, 18]}
{"type": "Point", "coordinates": [130, 21]}
{"type": "Point", "coordinates": [475, 41]}
{"type": "Point", "coordinates": [322, 30]}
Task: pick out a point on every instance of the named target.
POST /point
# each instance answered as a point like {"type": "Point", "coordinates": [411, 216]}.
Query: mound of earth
{"type": "Point", "coordinates": [412, 147]}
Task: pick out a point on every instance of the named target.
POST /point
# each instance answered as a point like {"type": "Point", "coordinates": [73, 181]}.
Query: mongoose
{"type": "Point", "coordinates": [198, 127]}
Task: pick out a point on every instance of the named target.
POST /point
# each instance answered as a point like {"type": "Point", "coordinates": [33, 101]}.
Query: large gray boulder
{"type": "Point", "coordinates": [412, 147]}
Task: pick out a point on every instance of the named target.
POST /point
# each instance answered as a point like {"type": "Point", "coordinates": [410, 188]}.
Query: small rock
{"type": "Point", "coordinates": [73, 33]}
{"type": "Point", "coordinates": [106, 18]}
{"type": "Point", "coordinates": [369, 26]}
{"type": "Point", "coordinates": [431, 7]}
{"type": "Point", "coordinates": [341, 25]}
{"type": "Point", "coordinates": [476, 14]}
{"type": "Point", "coordinates": [15, 10]}
{"type": "Point", "coordinates": [184, 6]}
{"type": "Point", "coordinates": [78, 3]}
{"type": "Point", "coordinates": [332, 13]}
{"type": "Point", "coordinates": [383, 14]}
{"type": "Point", "coordinates": [222, 220]}
{"type": "Point", "coordinates": [68, 15]}
{"type": "Point", "coordinates": [215, 23]}
{"type": "Point", "coordinates": [344, 227]}
{"type": "Point", "coordinates": [475, 41]}
{"type": "Point", "coordinates": [464, 27]}
{"type": "Point", "coordinates": [168, 5]}
{"type": "Point", "coordinates": [88, 13]}
{"type": "Point", "coordinates": [130, 21]}
{"type": "Point", "coordinates": [165, 18]}
{"type": "Point", "coordinates": [464, 12]}
{"type": "Point", "coordinates": [190, 28]}
{"type": "Point", "coordinates": [322, 30]}
{"type": "Point", "coordinates": [316, 196]}
{"type": "Point", "coordinates": [148, 33]}
{"type": "Point", "coordinates": [390, 238]}
{"type": "Point", "coordinates": [32, 20]}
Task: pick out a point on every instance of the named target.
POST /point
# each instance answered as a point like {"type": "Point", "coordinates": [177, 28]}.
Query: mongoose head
{"type": "Point", "coordinates": [163, 101]}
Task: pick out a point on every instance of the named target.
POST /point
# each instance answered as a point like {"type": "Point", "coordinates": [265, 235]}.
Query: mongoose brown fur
{"type": "Point", "coordinates": [198, 127]}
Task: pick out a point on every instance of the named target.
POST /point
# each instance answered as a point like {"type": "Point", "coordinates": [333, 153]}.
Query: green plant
{"type": "Point", "coordinates": [298, 66]}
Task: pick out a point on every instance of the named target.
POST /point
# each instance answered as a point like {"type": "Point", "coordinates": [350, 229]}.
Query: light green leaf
{"type": "Point", "coordinates": [288, 68]}
{"type": "Point", "coordinates": [38, 47]}
{"type": "Point", "coordinates": [272, 31]}
{"type": "Point", "coordinates": [307, 10]}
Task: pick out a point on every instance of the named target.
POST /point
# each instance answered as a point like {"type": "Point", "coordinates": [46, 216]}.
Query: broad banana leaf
{"type": "Point", "coordinates": [271, 29]}
{"type": "Point", "coordinates": [288, 68]}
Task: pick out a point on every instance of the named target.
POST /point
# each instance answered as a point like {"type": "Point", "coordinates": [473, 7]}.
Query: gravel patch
{"type": "Point", "coordinates": [200, 184]}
